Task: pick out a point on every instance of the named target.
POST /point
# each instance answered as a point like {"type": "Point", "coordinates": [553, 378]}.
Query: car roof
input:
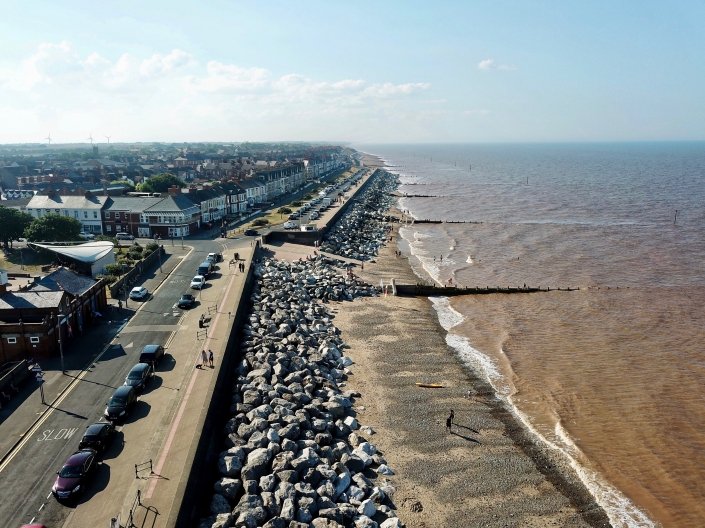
{"type": "Point", "coordinates": [187, 295]}
{"type": "Point", "coordinates": [79, 457]}
{"type": "Point", "coordinates": [123, 390]}
{"type": "Point", "coordinates": [198, 277]}
{"type": "Point", "coordinates": [96, 428]}
{"type": "Point", "coordinates": [150, 348]}
{"type": "Point", "coordinates": [138, 288]}
{"type": "Point", "coordinates": [140, 367]}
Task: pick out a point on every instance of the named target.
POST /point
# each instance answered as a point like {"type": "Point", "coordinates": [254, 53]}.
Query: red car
{"type": "Point", "coordinates": [71, 478]}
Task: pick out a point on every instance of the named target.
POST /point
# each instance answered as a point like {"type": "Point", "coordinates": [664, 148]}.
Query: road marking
{"type": "Point", "coordinates": [61, 434]}
{"type": "Point", "coordinates": [182, 408]}
{"type": "Point", "coordinates": [53, 405]}
{"type": "Point", "coordinates": [129, 345]}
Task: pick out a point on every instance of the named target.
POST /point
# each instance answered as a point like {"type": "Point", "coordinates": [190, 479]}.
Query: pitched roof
{"type": "Point", "coordinates": [30, 299]}
{"type": "Point", "coordinates": [55, 201]}
{"type": "Point", "coordinates": [66, 280]}
{"type": "Point", "coordinates": [135, 204]}
{"type": "Point", "coordinates": [172, 204]}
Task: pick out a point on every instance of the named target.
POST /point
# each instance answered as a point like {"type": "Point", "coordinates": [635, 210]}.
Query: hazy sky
{"type": "Point", "coordinates": [358, 71]}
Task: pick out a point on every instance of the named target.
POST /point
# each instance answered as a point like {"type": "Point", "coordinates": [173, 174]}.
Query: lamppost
{"type": "Point", "coordinates": [61, 341]}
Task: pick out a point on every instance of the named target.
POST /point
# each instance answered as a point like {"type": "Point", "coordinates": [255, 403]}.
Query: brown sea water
{"type": "Point", "coordinates": [611, 374]}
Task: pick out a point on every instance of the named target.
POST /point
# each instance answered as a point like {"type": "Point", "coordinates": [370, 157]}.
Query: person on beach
{"type": "Point", "coordinates": [210, 358]}
{"type": "Point", "coordinates": [449, 421]}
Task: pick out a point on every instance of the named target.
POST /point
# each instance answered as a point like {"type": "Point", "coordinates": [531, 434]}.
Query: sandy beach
{"type": "Point", "coordinates": [488, 471]}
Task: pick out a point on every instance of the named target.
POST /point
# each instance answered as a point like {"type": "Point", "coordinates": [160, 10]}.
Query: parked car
{"type": "Point", "coordinates": [139, 376]}
{"type": "Point", "coordinates": [290, 225]}
{"type": "Point", "coordinates": [97, 436]}
{"type": "Point", "coordinates": [186, 301]}
{"type": "Point", "coordinates": [139, 293]}
{"type": "Point", "coordinates": [313, 215]}
{"type": "Point", "coordinates": [251, 232]}
{"type": "Point", "coordinates": [197, 282]}
{"type": "Point", "coordinates": [205, 268]}
{"type": "Point", "coordinates": [120, 403]}
{"type": "Point", "coordinates": [152, 354]}
{"type": "Point", "coordinates": [294, 216]}
{"type": "Point", "coordinates": [124, 236]}
{"type": "Point", "coordinates": [71, 478]}
{"type": "Point", "coordinates": [214, 257]}
{"type": "Point", "coordinates": [87, 236]}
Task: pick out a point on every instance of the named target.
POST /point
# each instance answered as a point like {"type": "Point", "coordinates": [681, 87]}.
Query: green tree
{"type": "Point", "coordinates": [160, 183]}
{"type": "Point", "coordinates": [13, 224]}
{"type": "Point", "coordinates": [53, 228]}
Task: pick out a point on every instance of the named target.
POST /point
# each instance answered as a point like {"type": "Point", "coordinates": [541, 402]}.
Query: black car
{"type": "Point", "coordinates": [187, 301]}
{"type": "Point", "coordinates": [97, 436]}
{"type": "Point", "coordinates": [71, 478]}
{"type": "Point", "coordinates": [152, 354]}
{"type": "Point", "coordinates": [120, 403]}
{"type": "Point", "coordinates": [251, 232]}
{"type": "Point", "coordinates": [139, 376]}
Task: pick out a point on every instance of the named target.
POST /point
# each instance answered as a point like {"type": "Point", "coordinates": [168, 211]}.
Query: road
{"type": "Point", "coordinates": [28, 475]}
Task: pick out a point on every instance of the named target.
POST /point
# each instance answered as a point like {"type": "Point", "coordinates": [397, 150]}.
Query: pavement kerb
{"type": "Point", "coordinates": [76, 378]}
{"type": "Point", "coordinates": [179, 454]}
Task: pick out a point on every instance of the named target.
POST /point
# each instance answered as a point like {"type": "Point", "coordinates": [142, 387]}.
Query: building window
{"type": "Point", "coordinates": [34, 340]}
{"type": "Point", "coordinates": [85, 214]}
{"type": "Point", "coordinates": [95, 214]}
{"type": "Point", "coordinates": [11, 340]}
{"type": "Point", "coordinates": [75, 214]}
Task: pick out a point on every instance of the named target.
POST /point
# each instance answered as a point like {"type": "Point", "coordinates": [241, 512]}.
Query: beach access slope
{"type": "Point", "coordinates": [489, 471]}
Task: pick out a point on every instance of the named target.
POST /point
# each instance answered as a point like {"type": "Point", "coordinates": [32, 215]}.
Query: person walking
{"type": "Point", "coordinates": [449, 421]}
{"type": "Point", "coordinates": [210, 358]}
{"type": "Point", "coordinates": [204, 358]}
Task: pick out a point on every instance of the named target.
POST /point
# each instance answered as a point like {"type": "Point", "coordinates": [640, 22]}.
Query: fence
{"type": "Point", "coordinates": [117, 287]}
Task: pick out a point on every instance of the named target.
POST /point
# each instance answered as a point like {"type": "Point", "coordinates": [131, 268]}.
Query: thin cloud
{"type": "Point", "coordinates": [491, 64]}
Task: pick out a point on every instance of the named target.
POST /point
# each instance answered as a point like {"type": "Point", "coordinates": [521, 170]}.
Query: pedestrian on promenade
{"type": "Point", "coordinates": [210, 358]}
{"type": "Point", "coordinates": [204, 359]}
{"type": "Point", "coordinates": [449, 421]}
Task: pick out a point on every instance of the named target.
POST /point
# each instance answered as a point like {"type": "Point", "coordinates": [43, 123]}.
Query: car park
{"type": "Point", "coordinates": [97, 436]}
{"type": "Point", "coordinates": [290, 225]}
{"type": "Point", "coordinates": [152, 354]}
{"type": "Point", "coordinates": [124, 236]}
{"type": "Point", "coordinates": [71, 478]}
{"type": "Point", "coordinates": [186, 301]}
{"type": "Point", "coordinates": [139, 376]}
{"type": "Point", "coordinates": [251, 232]}
{"type": "Point", "coordinates": [120, 403]}
{"type": "Point", "coordinates": [198, 282]}
{"type": "Point", "coordinates": [139, 293]}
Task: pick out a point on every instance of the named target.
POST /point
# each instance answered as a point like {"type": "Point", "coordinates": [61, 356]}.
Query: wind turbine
{"type": "Point", "coordinates": [48, 138]}
{"type": "Point", "coordinates": [90, 136]}
{"type": "Point", "coordinates": [108, 138]}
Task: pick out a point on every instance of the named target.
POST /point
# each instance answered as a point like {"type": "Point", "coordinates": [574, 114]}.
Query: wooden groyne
{"type": "Point", "coordinates": [428, 290]}
{"type": "Point", "coordinates": [441, 221]}
{"type": "Point", "coordinates": [405, 195]}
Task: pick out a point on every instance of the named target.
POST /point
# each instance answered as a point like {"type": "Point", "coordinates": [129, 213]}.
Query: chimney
{"type": "Point", "coordinates": [174, 190]}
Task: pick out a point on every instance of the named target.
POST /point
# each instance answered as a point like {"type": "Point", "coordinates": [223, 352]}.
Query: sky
{"type": "Point", "coordinates": [353, 72]}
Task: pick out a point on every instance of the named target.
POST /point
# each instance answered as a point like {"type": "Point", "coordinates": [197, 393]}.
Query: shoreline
{"type": "Point", "coordinates": [491, 471]}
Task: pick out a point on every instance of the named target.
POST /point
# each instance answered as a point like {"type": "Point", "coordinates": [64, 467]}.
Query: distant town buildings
{"type": "Point", "coordinates": [223, 182]}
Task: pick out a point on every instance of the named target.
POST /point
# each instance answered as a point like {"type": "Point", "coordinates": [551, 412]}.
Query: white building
{"type": "Point", "coordinates": [85, 208]}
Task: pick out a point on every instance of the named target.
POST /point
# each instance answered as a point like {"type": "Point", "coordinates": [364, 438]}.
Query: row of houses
{"type": "Point", "coordinates": [180, 212]}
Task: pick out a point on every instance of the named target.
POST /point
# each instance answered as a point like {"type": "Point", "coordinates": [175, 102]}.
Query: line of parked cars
{"type": "Point", "coordinates": [204, 270]}
{"type": "Point", "coordinates": [71, 478]}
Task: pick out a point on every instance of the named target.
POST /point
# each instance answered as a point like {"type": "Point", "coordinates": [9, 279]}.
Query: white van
{"type": "Point", "coordinates": [308, 227]}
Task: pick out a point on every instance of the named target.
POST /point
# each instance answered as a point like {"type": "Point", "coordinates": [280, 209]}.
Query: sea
{"type": "Point", "coordinates": [611, 374]}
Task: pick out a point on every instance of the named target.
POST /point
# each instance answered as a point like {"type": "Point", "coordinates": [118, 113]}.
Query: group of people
{"type": "Point", "coordinates": [206, 359]}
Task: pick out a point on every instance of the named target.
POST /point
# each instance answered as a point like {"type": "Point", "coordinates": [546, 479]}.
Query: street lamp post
{"type": "Point", "coordinates": [61, 342]}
